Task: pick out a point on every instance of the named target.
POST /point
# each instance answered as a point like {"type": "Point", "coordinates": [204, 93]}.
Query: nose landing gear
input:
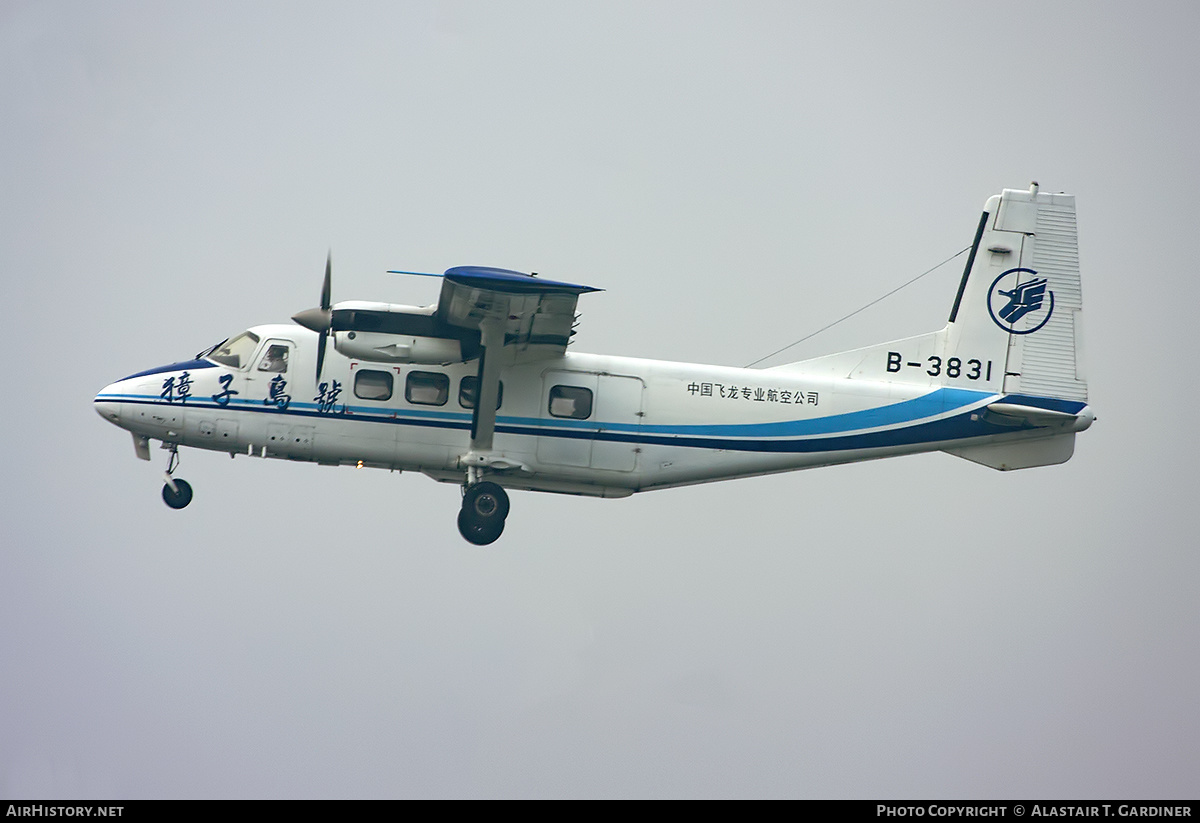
{"type": "Point", "coordinates": [176, 493]}
{"type": "Point", "coordinates": [484, 507]}
{"type": "Point", "coordinates": [179, 496]}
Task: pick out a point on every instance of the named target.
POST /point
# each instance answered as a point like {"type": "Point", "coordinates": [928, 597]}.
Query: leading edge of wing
{"type": "Point", "coordinates": [504, 280]}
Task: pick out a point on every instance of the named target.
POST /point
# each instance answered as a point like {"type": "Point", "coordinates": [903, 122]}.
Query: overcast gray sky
{"type": "Point", "coordinates": [734, 175]}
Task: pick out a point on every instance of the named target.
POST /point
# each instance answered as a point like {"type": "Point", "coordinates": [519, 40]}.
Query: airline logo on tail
{"type": "Point", "coordinates": [1010, 301]}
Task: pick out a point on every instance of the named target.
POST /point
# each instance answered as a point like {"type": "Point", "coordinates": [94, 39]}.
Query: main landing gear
{"type": "Point", "coordinates": [175, 493]}
{"type": "Point", "coordinates": [484, 507]}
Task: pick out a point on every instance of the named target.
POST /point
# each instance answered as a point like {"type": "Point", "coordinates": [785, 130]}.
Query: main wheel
{"type": "Point", "coordinates": [485, 501]}
{"type": "Point", "coordinates": [479, 532]}
{"type": "Point", "coordinates": [180, 497]}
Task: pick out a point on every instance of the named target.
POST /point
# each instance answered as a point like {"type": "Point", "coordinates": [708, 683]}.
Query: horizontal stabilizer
{"type": "Point", "coordinates": [1026, 454]}
{"type": "Point", "coordinates": [1032, 414]}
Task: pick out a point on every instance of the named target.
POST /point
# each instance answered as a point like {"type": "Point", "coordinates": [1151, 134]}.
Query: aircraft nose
{"type": "Point", "coordinates": [107, 405]}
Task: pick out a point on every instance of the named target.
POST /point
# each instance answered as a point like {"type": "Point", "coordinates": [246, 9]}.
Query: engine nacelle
{"type": "Point", "coordinates": [383, 347]}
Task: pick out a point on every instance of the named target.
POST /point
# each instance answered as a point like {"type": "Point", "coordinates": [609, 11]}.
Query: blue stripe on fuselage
{"type": "Point", "coordinates": [935, 403]}
{"type": "Point", "coordinates": [900, 420]}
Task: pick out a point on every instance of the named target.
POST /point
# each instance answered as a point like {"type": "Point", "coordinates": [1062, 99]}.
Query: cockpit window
{"type": "Point", "coordinates": [274, 359]}
{"type": "Point", "coordinates": [206, 352]}
{"type": "Point", "coordinates": [237, 351]}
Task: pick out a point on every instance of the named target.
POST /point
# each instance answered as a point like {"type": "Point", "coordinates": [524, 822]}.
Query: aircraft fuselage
{"type": "Point", "coordinates": [650, 424]}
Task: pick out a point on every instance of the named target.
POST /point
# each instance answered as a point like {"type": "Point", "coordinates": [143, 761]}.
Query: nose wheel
{"type": "Point", "coordinates": [175, 493]}
{"type": "Point", "coordinates": [484, 507]}
{"type": "Point", "coordinates": [179, 496]}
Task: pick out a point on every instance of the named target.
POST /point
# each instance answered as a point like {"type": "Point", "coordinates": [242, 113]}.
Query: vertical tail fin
{"type": "Point", "coordinates": [1016, 322]}
{"type": "Point", "coordinates": [1020, 301]}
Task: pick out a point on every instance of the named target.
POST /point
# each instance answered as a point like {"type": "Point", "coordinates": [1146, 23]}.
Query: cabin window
{"type": "Point", "coordinates": [571, 401]}
{"type": "Point", "coordinates": [427, 388]}
{"type": "Point", "coordinates": [236, 351]}
{"type": "Point", "coordinates": [373, 385]}
{"type": "Point", "coordinates": [468, 392]}
{"type": "Point", "coordinates": [275, 359]}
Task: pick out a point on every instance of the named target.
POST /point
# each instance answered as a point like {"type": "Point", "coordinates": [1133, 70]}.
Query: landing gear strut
{"type": "Point", "coordinates": [484, 507]}
{"type": "Point", "coordinates": [175, 493]}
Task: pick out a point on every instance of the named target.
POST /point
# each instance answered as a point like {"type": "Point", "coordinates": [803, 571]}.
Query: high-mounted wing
{"type": "Point", "coordinates": [519, 317]}
{"type": "Point", "coordinates": [537, 316]}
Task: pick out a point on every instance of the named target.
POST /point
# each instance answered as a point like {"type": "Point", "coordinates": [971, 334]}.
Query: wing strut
{"type": "Point", "coordinates": [483, 421]}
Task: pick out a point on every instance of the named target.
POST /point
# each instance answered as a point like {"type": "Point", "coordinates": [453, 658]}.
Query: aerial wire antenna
{"type": "Point", "coordinates": [860, 309]}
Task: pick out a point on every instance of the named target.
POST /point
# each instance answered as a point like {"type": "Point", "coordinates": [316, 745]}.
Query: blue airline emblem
{"type": "Point", "coordinates": [1021, 300]}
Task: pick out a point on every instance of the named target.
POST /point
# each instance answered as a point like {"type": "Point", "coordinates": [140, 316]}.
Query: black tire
{"type": "Point", "coordinates": [479, 532]}
{"type": "Point", "coordinates": [485, 501]}
{"type": "Point", "coordinates": [180, 497]}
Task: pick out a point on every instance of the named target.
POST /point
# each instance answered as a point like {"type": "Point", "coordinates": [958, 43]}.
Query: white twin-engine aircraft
{"type": "Point", "coordinates": [480, 389]}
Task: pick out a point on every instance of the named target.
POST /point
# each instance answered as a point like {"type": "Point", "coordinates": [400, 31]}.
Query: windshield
{"type": "Point", "coordinates": [205, 352]}
{"type": "Point", "coordinates": [236, 351]}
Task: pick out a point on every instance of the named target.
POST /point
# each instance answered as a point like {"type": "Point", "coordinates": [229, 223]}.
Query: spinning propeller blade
{"type": "Point", "coordinates": [325, 287]}
{"type": "Point", "coordinates": [320, 355]}
{"type": "Point", "coordinates": [320, 319]}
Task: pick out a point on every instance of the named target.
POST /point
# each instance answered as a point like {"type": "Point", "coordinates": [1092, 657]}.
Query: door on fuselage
{"type": "Point", "coordinates": [591, 419]}
{"type": "Point", "coordinates": [268, 383]}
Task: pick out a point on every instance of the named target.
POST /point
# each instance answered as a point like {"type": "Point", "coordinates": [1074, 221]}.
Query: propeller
{"type": "Point", "coordinates": [320, 319]}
